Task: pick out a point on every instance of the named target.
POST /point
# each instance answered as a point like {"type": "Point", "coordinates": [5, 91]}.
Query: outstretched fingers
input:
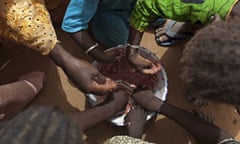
{"type": "Point", "coordinates": [155, 67]}
{"type": "Point", "coordinates": [103, 86]}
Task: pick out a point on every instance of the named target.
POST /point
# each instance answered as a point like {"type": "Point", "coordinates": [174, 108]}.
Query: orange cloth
{"type": "Point", "coordinates": [27, 22]}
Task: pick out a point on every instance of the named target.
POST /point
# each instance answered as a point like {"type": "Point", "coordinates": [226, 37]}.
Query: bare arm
{"type": "Point", "coordinates": [135, 36]}
{"type": "Point", "coordinates": [90, 117]}
{"type": "Point", "coordinates": [197, 127]}
{"type": "Point", "coordinates": [140, 63]}
{"type": "Point", "coordinates": [85, 41]}
{"type": "Point", "coordinates": [82, 73]}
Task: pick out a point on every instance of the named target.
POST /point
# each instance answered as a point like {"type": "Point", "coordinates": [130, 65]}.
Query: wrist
{"type": "Point", "coordinates": [131, 50]}
{"type": "Point", "coordinates": [59, 55]}
{"type": "Point", "coordinates": [91, 48]}
{"type": "Point", "coordinates": [159, 106]}
{"type": "Point", "coordinates": [96, 51]}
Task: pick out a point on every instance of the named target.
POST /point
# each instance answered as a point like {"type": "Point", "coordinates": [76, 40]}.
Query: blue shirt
{"type": "Point", "coordinates": [80, 12]}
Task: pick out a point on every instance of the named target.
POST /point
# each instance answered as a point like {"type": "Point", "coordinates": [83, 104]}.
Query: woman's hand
{"type": "Point", "coordinates": [142, 64]}
{"type": "Point", "coordinates": [86, 77]}
{"type": "Point", "coordinates": [89, 79]}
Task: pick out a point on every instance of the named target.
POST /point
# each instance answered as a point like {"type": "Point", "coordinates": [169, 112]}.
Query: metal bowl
{"type": "Point", "coordinates": [159, 88]}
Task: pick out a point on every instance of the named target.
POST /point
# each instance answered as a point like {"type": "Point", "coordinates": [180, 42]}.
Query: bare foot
{"type": "Point", "coordinates": [16, 95]}
{"type": "Point", "coordinates": [172, 32]}
{"type": "Point", "coordinates": [136, 119]}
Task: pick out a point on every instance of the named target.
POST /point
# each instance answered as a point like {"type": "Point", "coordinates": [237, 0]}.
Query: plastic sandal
{"type": "Point", "coordinates": [173, 37]}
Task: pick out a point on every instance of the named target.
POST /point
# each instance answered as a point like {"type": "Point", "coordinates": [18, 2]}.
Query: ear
{"type": "Point", "coordinates": [216, 18]}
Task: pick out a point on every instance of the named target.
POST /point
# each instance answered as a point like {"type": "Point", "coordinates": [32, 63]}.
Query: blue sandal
{"type": "Point", "coordinates": [174, 37]}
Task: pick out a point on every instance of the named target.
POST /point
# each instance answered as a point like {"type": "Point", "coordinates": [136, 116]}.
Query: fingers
{"type": "Point", "coordinates": [154, 69]}
{"type": "Point", "coordinates": [144, 60]}
{"type": "Point", "coordinates": [147, 100]}
{"type": "Point", "coordinates": [109, 85]}
{"type": "Point", "coordinates": [117, 55]}
{"type": "Point", "coordinates": [113, 55]}
{"type": "Point", "coordinates": [99, 78]}
{"type": "Point", "coordinates": [145, 65]}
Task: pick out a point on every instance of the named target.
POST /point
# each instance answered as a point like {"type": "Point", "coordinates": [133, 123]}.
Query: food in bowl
{"type": "Point", "coordinates": [124, 74]}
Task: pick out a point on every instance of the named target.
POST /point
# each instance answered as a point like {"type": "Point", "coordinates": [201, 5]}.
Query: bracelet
{"type": "Point", "coordinates": [132, 50]}
{"type": "Point", "coordinates": [160, 107]}
{"type": "Point", "coordinates": [133, 46]}
{"type": "Point", "coordinates": [91, 48]}
{"type": "Point", "coordinates": [31, 85]}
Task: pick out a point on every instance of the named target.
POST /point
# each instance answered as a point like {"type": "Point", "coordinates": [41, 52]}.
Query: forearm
{"type": "Point", "coordinates": [135, 36]}
{"type": "Point", "coordinates": [199, 128]}
{"type": "Point", "coordinates": [85, 41]}
{"type": "Point", "coordinates": [60, 56]}
{"type": "Point", "coordinates": [69, 64]}
{"type": "Point", "coordinates": [88, 118]}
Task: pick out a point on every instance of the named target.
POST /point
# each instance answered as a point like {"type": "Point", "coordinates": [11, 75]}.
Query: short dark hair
{"type": "Point", "coordinates": [211, 62]}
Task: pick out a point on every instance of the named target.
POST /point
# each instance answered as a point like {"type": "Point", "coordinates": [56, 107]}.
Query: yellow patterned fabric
{"type": "Point", "coordinates": [125, 140]}
{"type": "Point", "coordinates": [27, 22]}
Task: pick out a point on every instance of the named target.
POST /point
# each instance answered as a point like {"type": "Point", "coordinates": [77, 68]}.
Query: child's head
{"type": "Point", "coordinates": [211, 62]}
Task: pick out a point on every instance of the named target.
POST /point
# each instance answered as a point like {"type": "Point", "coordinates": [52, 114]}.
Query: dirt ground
{"type": "Point", "coordinates": [59, 91]}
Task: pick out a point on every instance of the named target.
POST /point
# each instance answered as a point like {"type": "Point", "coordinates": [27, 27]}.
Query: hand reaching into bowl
{"type": "Point", "coordinates": [141, 63]}
{"type": "Point", "coordinates": [146, 99]}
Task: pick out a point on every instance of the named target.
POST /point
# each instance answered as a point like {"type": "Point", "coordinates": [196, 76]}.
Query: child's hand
{"type": "Point", "coordinates": [146, 99]}
{"type": "Point", "coordinates": [120, 100]}
{"type": "Point", "coordinates": [142, 64]}
{"type": "Point", "coordinates": [92, 80]}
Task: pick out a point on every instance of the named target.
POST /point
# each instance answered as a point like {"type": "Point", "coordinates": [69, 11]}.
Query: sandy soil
{"type": "Point", "coordinates": [60, 92]}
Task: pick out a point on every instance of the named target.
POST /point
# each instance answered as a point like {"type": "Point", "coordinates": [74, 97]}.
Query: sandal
{"type": "Point", "coordinates": [172, 37]}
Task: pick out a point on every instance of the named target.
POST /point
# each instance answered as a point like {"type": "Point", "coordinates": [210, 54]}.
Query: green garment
{"type": "Point", "coordinates": [197, 12]}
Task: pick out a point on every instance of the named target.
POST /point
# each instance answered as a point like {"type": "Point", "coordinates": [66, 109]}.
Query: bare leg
{"type": "Point", "coordinates": [16, 95]}
{"type": "Point", "coordinates": [136, 120]}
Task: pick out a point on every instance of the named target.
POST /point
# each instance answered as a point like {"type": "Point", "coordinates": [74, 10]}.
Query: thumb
{"type": "Point", "coordinates": [99, 78]}
{"type": "Point", "coordinates": [102, 88]}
